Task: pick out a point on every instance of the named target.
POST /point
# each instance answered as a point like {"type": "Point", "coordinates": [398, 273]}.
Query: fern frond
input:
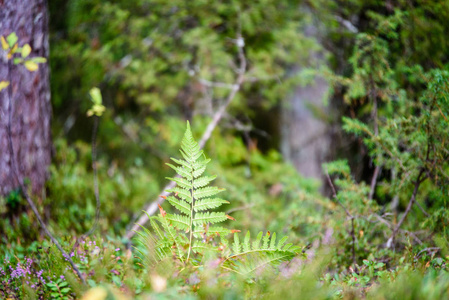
{"type": "Point", "coordinates": [183, 194]}
{"type": "Point", "coordinates": [180, 222]}
{"type": "Point", "coordinates": [192, 198]}
{"type": "Point", "coordinates": [281, 243]}
{"type": "Point", "coordinates": [273, 242]}
{"type": "Point", "coordinates": [181, 182]}
{"type": "Point", "coordinates": [266, 240]}
{"type": "Point", "coordinates": [209, 217]}
{"type": "Point", "coordinates": [190, 231]}
{"type": "Point", "coordinates": [236, 247]}
{"type": "Point", "coordinates": [246, 244]}
{"type": "Point", "coordinates": [210, 231]}
{"type": "Point", "coordinates": [156, 227]}
{"type": "Point", "coordinates": [200, 247]}
{"type": "Point", "coordinates": [184, 172]}
{"type": "Point", "coordinates": [181, 162]}
{"type": "Point", "coordinates": [180, 205]}
{"type": "Point", "coordinates": [208, 203]}
{"type": "Point", "coordinates": [256, 243]}
{"type": "Point", "coordinates": [199, 170]}
{"type": "Point", "coordinates": [207, 192]}
{"type": "Point", "coordinates": [203, 181]}
{"type": "Point", "coordinates": [246, 259]}
{"type": "Point", "coordinates": [255, 261]}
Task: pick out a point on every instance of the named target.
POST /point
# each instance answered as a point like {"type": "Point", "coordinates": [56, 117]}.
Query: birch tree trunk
{"type": "Point", "coordinates": [30, 98]}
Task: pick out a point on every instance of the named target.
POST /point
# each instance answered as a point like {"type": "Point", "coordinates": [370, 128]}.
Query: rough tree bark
{"type": "Point", "coordinates": [31, 107]}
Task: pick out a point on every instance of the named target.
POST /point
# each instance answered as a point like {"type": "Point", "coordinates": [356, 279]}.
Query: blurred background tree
{"type": "Point", "coordinates": [25, 23]}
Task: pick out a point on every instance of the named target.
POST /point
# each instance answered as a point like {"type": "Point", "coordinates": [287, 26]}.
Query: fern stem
{"type": "Point", "coordinates": [191, 218]}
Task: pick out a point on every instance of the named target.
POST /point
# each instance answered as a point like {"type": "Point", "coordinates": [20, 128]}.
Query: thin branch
{"type": "Point", "coordinates": [239, 208]}
{"type": "Point", "coordinates": [422, 209]}
{"type": "Point", "coordinates": [430, 249]}
{"type": "Point", "coordinates": [391, 227]}
{"type": "Point", "coordinates": [418, 182]}
{"type": "Point", "coordinates": [374, 182]}
{"type": "Point", "coordinates": [152, 208]}
{"type": "Point", "coordinates": [208, 83]}
{"type": "Point", "coordinates": [373, 96]}
{"type": "Point", "coordinates": [350, 216]}
{"type": "Point", "coordinates": [19, 180]}
{"type": "Point", "coordinates": [334, 195]}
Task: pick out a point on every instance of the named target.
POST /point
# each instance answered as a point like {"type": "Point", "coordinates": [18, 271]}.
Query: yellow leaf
{"type": "Point", "coordinates": [26, 50]}
{"type": "Point", "coordinates": [5, 45]}
{"type": "Point", "coordinates": [96, 293]}
{"type": "Point", "coordinates": [31, 66]}
{"type": "Point", "coordinates": [3, 85]}
{"type": "Point", "coordinates": [14, 48]}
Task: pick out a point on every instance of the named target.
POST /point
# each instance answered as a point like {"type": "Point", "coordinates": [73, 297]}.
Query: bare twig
{"type": "Point", "coordinates": [19, 180]}
{"type": "Point", "coordinates": [430, 249]}
{"type": "Point", "coordinates": [152, 208]}
{"type": "Point", "coordinates": [373, 96]}
{"type": "Point", "coordinates": [418, 182]}
{"type": "Point", "coordinates": [350, 216]}
{"type": "Point", "coordinates": [422, 209]}
{"type": "Point", "coordinates": [239, 208]}
{"type": "Point", "coordinates": [390, 226]}
{"type": "Point", "coordinates": [208, 83]}
{"type": "Point", "coordinates": [374, 182]}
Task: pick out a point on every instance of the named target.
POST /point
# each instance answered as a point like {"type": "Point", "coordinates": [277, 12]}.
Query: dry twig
{"type": "Point", "coordinates": [350, 216]}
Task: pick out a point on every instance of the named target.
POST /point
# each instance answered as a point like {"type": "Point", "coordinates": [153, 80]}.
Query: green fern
{"type": "Point", "coordinates": [183, 232]}
{"type": "Point", "coordinates": [191, 229]}
{"type": "Point", "coordinates": [248, 257]}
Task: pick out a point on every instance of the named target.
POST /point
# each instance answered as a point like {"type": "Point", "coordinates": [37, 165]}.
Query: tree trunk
{"type": "Point", "coordinates": [30, 98]}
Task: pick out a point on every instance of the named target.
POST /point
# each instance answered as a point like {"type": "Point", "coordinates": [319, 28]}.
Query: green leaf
{"type": "Point", "coordinates": [17, 60]}
{"type": "Point", "coordinates": [209, 217]}
{"type": "Point", "coordinates": [236, 247]}
{"type": "Point", "coordinates": [207, 192]}
{"type": "Point", "coordinates": [246, 242]}
{"type": "Point", "coordinates": [256, 243]}
{"type": "Point", "coordinates": [208, 203]}
{"type": "Point", "coordinates": [203, 181]}
{"type": "Point", "coordinates": [273, 241]}
{"type": "Point", "coordinates": [180, 222]}
{"type": "Point", "coordinates": [26, 50]}
{"type": "Point", "coordinates": [180, 205]}
{"type": "Point", "coordinates": [266, 240]}
{"type": "Point", "coordinates": [12, 39]}
{"type": "Point", "coordinates": [95, 95]}
{"type": "Point", "coordinates": [39, 60]}
{"type": "Point", "coordinates": [97, 107]}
